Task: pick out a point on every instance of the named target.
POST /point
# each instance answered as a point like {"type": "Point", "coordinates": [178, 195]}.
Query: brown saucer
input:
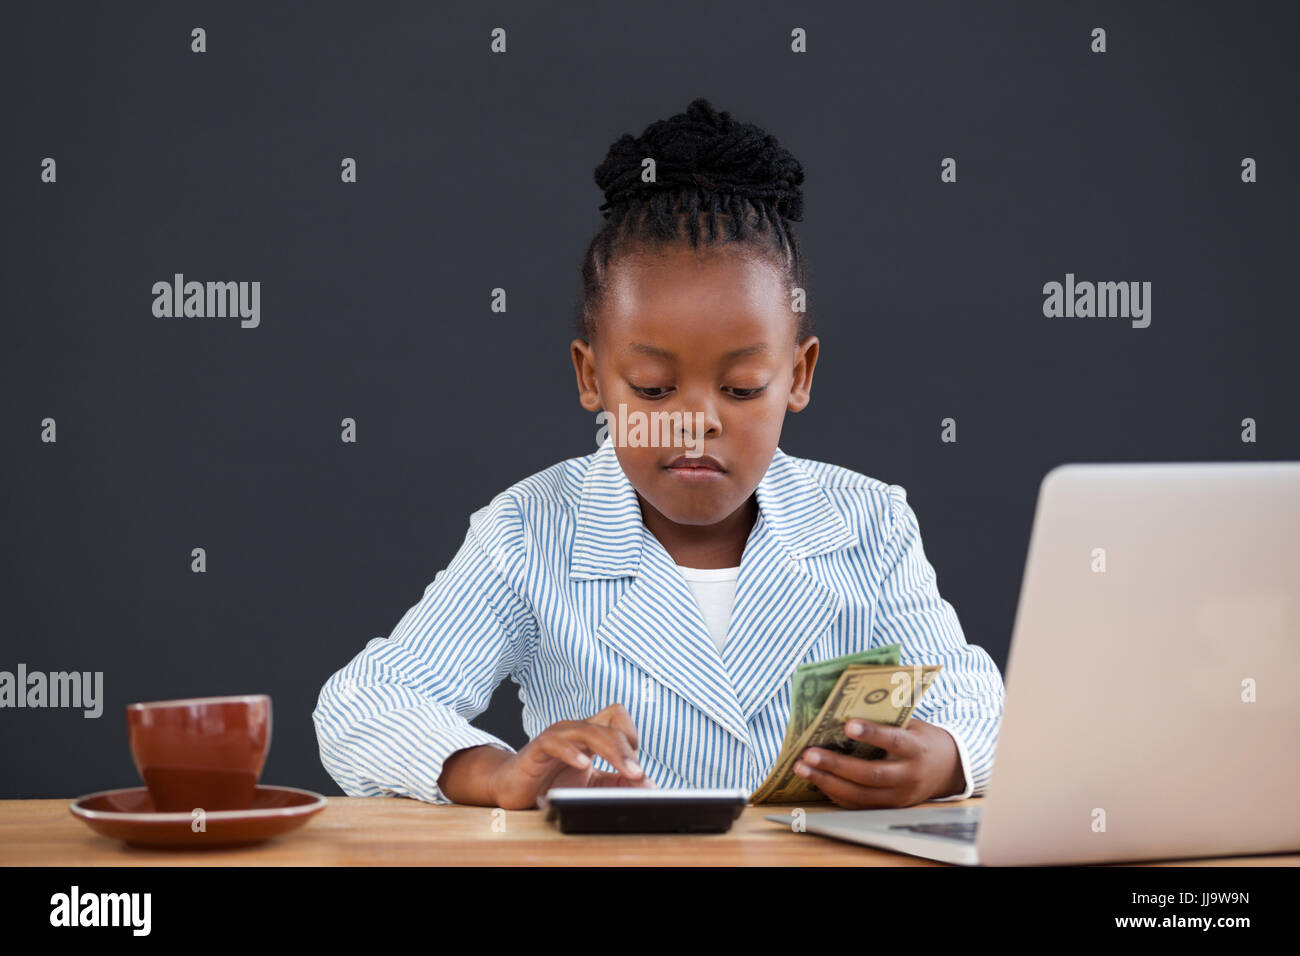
{"type": "Point", "coordinates": [129, 815]}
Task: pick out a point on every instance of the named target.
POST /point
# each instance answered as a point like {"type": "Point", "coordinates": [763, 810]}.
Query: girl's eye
{"type": "Point", "coordinates": [746, 392]}
{"type": "Point", "coordinates": [651, 391]}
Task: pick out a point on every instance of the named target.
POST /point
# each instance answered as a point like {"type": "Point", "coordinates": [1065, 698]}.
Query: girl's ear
{"type": "Point", "coordinates": [805, 360]}
{"type": "Point", "coordinates": [584, 366]}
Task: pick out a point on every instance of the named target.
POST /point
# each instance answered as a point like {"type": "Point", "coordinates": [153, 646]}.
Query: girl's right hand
{"type": "Point", "coordinates": [560, 757]}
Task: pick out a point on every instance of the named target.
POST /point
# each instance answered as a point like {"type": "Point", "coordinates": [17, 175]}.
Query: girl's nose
{"type": "Point", "coordinates": [700, 421]}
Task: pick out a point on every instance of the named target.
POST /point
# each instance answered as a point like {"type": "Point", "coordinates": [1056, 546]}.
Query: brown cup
{"type": "Point", "coordinates": [203, 752]}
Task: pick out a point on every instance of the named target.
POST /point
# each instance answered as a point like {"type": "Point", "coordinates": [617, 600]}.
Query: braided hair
{"type": "Point", "coordinates": [706, 165]}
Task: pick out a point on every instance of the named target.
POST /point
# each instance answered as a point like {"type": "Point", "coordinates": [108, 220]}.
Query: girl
{"type": "Point", "coordinates": [653, 599]}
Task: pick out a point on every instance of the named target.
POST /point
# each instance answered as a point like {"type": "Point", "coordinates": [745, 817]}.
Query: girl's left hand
{"type": "Point", "coordinates": [921, 762]}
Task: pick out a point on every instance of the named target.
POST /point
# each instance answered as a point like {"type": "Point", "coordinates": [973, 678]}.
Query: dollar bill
{"type": "Point", "coordinates": [812, 684]}
{"type": "Point", "coordinates": [883, 693]}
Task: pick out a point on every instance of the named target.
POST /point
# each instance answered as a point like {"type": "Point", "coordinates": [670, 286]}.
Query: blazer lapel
{"type": "Point", "coordinates": [780, 610]}
{"type": "Point", "coordinates": [656, 623]}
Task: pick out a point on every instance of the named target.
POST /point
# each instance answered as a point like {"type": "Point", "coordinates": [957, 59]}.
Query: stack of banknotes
{"type": "Point", "coordinates": [869, 685]}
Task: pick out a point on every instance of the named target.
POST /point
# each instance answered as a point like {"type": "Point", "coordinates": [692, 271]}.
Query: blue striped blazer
{"type": "Point", "coordinates": [560, 586]}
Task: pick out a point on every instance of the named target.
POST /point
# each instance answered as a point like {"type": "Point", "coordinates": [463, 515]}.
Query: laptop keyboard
{"type": "Point", "coordinates": [951, 831]}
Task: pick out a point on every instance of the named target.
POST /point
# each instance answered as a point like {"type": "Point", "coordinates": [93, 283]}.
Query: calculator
{"type": "Point", "coordinates": [642, 809]}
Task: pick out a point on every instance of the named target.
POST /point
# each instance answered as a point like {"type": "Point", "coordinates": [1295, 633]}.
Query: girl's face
{"type": "Point", "coordinates": [708, 334]}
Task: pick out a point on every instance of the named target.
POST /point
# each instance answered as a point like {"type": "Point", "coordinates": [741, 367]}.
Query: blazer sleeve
{"type": "Point", "coordinates": [966, 698]}
{"type": "Point", "coordinates": [387, 721]}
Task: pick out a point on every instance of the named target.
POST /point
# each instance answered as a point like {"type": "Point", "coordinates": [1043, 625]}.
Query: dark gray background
{"type": "Point", "coordinates": [475, 172]}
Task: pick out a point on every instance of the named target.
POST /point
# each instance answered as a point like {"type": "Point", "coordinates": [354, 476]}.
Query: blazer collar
{"type": "Point", "coordinates": [608, 540]}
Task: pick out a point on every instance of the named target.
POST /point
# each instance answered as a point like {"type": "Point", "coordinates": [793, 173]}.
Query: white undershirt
{"type": "Point", "coordinates": [715, 592]}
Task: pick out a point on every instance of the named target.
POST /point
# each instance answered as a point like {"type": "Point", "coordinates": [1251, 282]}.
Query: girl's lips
{"type": "Point", "coordinates": [702, 468]}
{"type": "Point", "coordinates": [703, 462]}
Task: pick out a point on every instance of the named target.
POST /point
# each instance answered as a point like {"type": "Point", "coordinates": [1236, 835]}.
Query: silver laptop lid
{"type": "Point", "coordinates": [1152, 708]}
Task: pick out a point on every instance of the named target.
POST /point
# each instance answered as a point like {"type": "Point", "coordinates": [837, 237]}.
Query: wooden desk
{"type": "Point", "coordinates": [394, 831]}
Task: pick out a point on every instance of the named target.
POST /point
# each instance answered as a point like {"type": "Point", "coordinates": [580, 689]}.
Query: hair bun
{"type": "Point", "coordinates": [708, 150]}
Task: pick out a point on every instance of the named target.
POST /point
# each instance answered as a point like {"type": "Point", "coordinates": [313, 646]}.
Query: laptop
{"type": "Point", "coordinates": [1152, 709]}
